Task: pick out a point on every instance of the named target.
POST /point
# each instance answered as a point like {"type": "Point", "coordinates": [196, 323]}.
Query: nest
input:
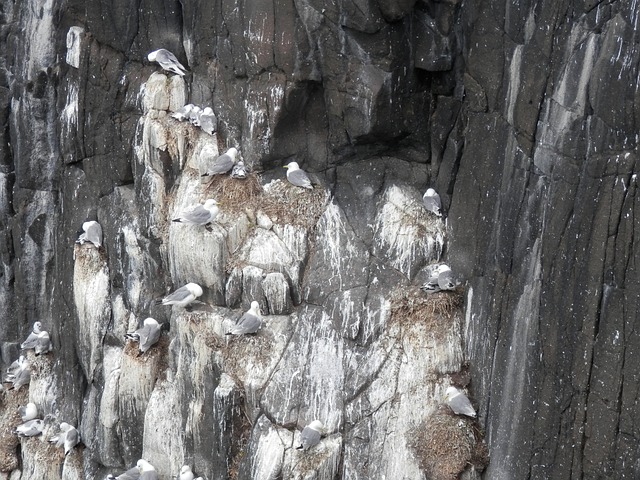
{"type": "Point", "coordinates": [288, 204]}
{"type": "Point", "coordinates": [9, 420]}
{"type": "Point", "coordinates": [435, 310]}
{"type": "Point", "coordinates": [445, 444]}
{"type": "Point", "coordinates": [235, 194]}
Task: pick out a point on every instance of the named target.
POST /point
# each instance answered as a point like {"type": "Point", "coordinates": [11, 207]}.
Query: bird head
{"type": "Point", "coordinates": [194, 288]}
{"type": "Point", "coordinates": [317, 426]}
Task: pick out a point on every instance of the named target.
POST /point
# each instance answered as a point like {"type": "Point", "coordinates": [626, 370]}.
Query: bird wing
{"type": "Point", "coordinates": [23, 376]}
{"type": "Point", "coordinates": [221, 165]}
{"type": "Point", "coordinates": [30, 342]}
{"type": "Point", "coordinates": [167, 60]}
{"type": "Point", "coordinates": [432, 204]}
{"type": "Point", "coordinates": [149, 335]}
{"type": "Point", "coordinates": [44, 343]}
{"type": "Point", "coordinates": [94, 234]}
{"type": "Point", "coordinates": [131, 474]}
{"type": "Point", "coordinates": [178, 296]}
{"type": "Point", "coordinates": [248, 323]}
{"type": "Point", "coordinates": [299, 178]}
{"type": "Point", "coordinates": [460, 404]}
{"type": "Point", "coordinates": [197, 215]}
{"type": "Point", "coordinates": [148, 476]}
{"type": "Point", "coordinates": [309, 437]}
{"type": "Point", "coordinates": [71, 439]}
{"type": "Point", "coordinates": [445, 280]}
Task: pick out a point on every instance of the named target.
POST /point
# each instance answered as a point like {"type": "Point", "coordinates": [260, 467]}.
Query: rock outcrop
{"type": "Point", "coordinates": [523, 116]}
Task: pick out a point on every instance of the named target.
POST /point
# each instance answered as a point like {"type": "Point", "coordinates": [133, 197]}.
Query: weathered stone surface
{"type": "Point", "coordinates": [523, 115]}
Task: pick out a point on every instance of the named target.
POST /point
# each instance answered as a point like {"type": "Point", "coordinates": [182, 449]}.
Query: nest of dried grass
{"type": "Point", "coordinates": [9, 420]}
{"type": "Point", "coordinates": [288, 204]}
{"type": "Point", "coordinates": [235, 194]}
{"type": "Point", "coordinates": [446, 445]}
{"type": "Point", "coordinates": [435, 310]}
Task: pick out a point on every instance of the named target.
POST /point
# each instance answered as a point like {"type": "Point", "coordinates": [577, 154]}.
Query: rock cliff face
{"type": "Point", "coordinates": [524, 116]}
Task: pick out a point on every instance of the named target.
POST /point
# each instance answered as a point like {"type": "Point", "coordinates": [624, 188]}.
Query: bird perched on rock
{"type": "Point", "coordinates": [67, 438]}
{"type": "Point", "coordinates": [297, 177]}
{"type": "Point", "coordinates": [440, 278]}
{"type": "Point", "coordinates": [92, 233]}
{"type": "Point", "coordinates": [167, 61]}
{"type": "Point", "coordinates": [15, 366]}
{"type": "Point", "coordinates": [147, 471]}
{"type": "Point", "coordinates": [148, 335]}
{"type": "Point", "coordinates": [311, 435]}
{"type": "Point", "coordinates": [185, 473]}
{"type": "Point", "coordinates": [250, 322]}
{"type": "Point", "coordinates": [28, 412]}
{"type": "Point", "coordinates": [20, 375]}
{"type": "Point", "coordinates": [194, 115]}
{"type": "Point", "coordinates": [38, 339]}
{"type": "Point", "coordinates": [458, 402]}
{"type": "Point", "coordinates": [183, 113]}
{"type": "Point", "coordinates": [199, 214]}
{"type": "Point", "coordinates": [31, 428]}
{"type": "Point", "coordinates": [131, 474]}
{"type": "Point", "coordinates": [222, 164]}
{"type": "Point", "coordinates": [208, 121]}
{"type": "Point", "coordinates": [183, 296]}
{"type": "Point", "coordinates": [431, 201]}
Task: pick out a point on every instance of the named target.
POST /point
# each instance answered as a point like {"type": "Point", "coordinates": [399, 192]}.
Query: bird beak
{"type": "Point", "coordinates": [285, 166]}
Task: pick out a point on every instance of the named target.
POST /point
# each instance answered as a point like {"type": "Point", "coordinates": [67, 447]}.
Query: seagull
{"type": "Point", "coordinates": [22, 376]}
{"type": "Point", "coordinates": [458, 402]}
{"type": "Point", "coordinates": [167, 61]}
{"type": "Point", "coordinates": [208, 121]}
{"type": "Point", "coordinates": [148, 335]}
{"type": "Point", "coordinates": [199, 214]}
{"type": "Point", "coordinates": [28, 412]}
{"type": "Point", "coordinates": [67, 438]}
{"type": "Point", "coordinates": [311, 434]}
{"type": "Point", "coordinates": [147, 472]}
{"type": "Point", "coordinates": [131, 474]}
{"type": "Point", "coordinates": [183, 296]}
{"type": "Point", "coordinates": [186, 473]}
{"type": "Point", "coordinates": [183, 112]}
{"type": "Point", "coordinates": [92, 233]}
{"type": "Point", "coordinates": [223, 163]}
{"type": "Point", "coordinates": [250, 322]}
{"type": "Point", "coordinates": [15, 366]}
{"type": "Point", "coordinates": [297, 177]}
{"type": "Point", "coordinates": [431, 201]}
{"type": "Point", "coordinates": [32, 339]}
{"type": "Point", "coordinates": [30, 428]}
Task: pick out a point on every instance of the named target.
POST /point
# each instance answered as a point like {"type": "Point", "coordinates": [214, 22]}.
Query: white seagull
{"type": "Point", "coordinates": [148, 335]}
{"type": "Point", "coordinates": [431, 201]}
{"type": "Point", "coordinates": [458, 402]}
{"type": "Point", "coordinates": [297, 177]}
{"type": "Point", "coordinates": [311, 435]}
{"type": "Point", "coordinates": [199, 214]}
{"type": "Point", "coordinates": [167, 61]}
{"type": "Point", "coordinates": [92, 233]}
{"type": "Point", "coordinates": [183, 296]}
{"type": "Point", "coordinates": [223, 163]}
{"type": "Point", "coordinates": [67, 438]}
{"type": "Point", "coordinates": [250, 322]}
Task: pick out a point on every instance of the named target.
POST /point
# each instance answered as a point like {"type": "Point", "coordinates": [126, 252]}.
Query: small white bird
{"type": "Point", "coordinates": [431, 201]}
{"type": "Point", "coordinates": [208, 121]}
{"type": "Point", "coordinates": [440, 278]}
{"type": "Point", "coordinates": [194, 116]}
{"type": "Point", "coordinates": [297, 177]}
{"type": "Point", "coordinates": [16, 365]}
{"type": "Point", "coordinates": [199, 214]}
{"type": "Point", "coordinates": [67, 438]}
{"type": "Point", "coordinates": [239, 170]}
{"type": "Point", "coordinates": [186, 473]}
{"type": "Point", "coordinates": [458, 402]}
{"type": "Point", "coordinates": [167, 61]}
{"type": "Point", "coordinates": [92, 233]}
{"type": "Point", "coordinates": [183, 296]}
{"type": "Point", "coordinates": [311, 435]}
{"type": "Point", "coordinates": [250, 322]}
{"type": "Point", "coordinates": [223, 163]}
{"type": "Point", "coordinates": [32, 339]}
{"type": "Point", "coordinates": [30, 428]}
{"type": "Point", "coordinates": [28, 412]}
{"type": "Point", "coordinates": [148, 335]}
{"type": "Point", "coordinates": [183, 113]}
{"type": "Point", "coordinates": [147, 471]}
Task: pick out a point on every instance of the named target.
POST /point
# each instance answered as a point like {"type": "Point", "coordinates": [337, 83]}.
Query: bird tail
{"type": "Point", "coordinates": [179, 220]}
{"type": "Point", "coordinates": [299, 447]}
